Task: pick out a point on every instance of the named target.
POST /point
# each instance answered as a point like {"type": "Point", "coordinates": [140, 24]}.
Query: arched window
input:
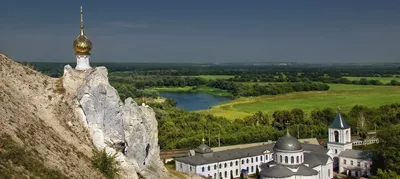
{"type": "Point", "coordinates": [347, 137]}
{"type": "Point", "coordinates": [292, 159]}
{"type": "Point", "coordinates": [260, 158]}
{"type": "Point", "coordinates": [215, 167]}
{"type": "Point", "coordinates": [247, 160]}
{"type": "Point", "coordinates": [251, 160]}
{"type": "Point", "coordinates": [256, 159]}
{"type": "Point", "coordinates": [297, 159]}
{"type": "Point", "coordinates": [231, 164]}
{"type": "Point", "coordinates": [226, 174]}
{"type": "Point", "coordinates": [286, 159]}
{"type": "Point", "coordinates": [202, 169]}
{"type": "Point", "coordinates": [225, 165]}
{"type": "Point", "coordinates": [220, 165]}
{"type": "Point", "coordinates": [237, 171]}
{"type": "Point", "coordinates": [215, 175]}
{"type": "Point", "coordinates": [242, 161]}
{"type": "Point", "coordinates": [237, 163]}
{"type": "Point", "coordinates": [280, 157]}
{"type": "Point", "coordinates": [209, 168]}
{"type": "Point", "coordinates": [336, 134]}
{"type": "Point", "coordinates": [252, 169]}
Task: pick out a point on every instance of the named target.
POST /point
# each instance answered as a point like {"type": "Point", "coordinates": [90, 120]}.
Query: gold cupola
{"type": "Point", "coordinates": [82, 45]}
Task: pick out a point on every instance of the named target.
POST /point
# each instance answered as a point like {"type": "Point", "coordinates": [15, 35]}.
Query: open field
{"type": "Point", "coordinates": [203, 89]}
{"type": "Point", "coordinates": [340, 95]}
{"type": "Point", "coordinates": [381, 79]}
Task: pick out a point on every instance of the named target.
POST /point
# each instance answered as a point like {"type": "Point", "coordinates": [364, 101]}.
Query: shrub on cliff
{"type": "Point", "coordinates": [106, 164]}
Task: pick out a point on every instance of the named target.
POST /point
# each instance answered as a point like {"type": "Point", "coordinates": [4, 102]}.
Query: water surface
{"type": "Point", "coordinates": [194, 101]}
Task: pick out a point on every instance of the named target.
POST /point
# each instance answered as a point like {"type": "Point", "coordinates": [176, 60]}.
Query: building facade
{"type": "Point", "coordinates": [223, 164]}
{"type": "Point", "coordinates": [351, 162]}
{"type": "Point", "coordinates": [306, 159]}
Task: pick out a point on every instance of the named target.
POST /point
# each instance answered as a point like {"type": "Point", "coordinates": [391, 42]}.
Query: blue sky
{"type": "Point", "coordinates": [312, 31]}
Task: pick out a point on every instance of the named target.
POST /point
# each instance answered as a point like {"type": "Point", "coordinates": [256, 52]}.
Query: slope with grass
{"type": "Point", "coordinates": [339, 95]}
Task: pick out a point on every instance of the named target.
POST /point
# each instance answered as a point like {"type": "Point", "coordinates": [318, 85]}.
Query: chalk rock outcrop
{"type": "Point", "coordinates": [124, 128]}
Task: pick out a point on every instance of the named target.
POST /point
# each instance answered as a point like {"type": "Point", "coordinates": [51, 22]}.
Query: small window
{"type": "Point", "coordinates": [358, 164]}
{"type": "Point", "coordinates": [335, 151]}
{"type": "Point", "coordinates": [202, 169]}
{"type": "Point", "coordinates": [280, 158]}
{"type": "Point", "coordinates": [260, 158]}
{"type": "Point", "coordinates": [247, 160]}
{"type": "Point", "coordinates": [256, 159]}
{"type": "Point", "coordinates": [292, 159]}
{"type": "Point", "coordinates": [266, 157]}
{"type": "Point", "coordinates": [351, 162]}
{"type": "Point", "coordinates": [215, 175]}
{"type": "Point", "coordinates": [237, 171]}
{"type": "Point", "coordinates": [220, 165]}
{"type": "Point", "coordinates": [190, 168]}
{"type": "Point", "coordinates": [226, 174]}
{"type": "Point", "coordinates": [237, 163]}
{"type": "Point", "coordinates": [251, 160]}
{"type": "Point", "coordinates": [286, 159]}
{"type": "Point", "coordinates": [242, 162]}
{"type": "Point", "coordinates": [215, 166]}
{"type": "Point", "coordinates": [231, 164]}
{"type": "Point", "coordinates": [181, 165]}
{"type": "Point", "coordinates": [252, 169]}
{"type": "Point", "coordinates": [225, 165]}
{"type": "Point", "coordinates": [344, 161]}
{"type": "Point", "coordinates": [297, 159]}
{"type": "Point", "coordinates": [329, 172]}
{"type": "Point", "coordinates": [209, 168]}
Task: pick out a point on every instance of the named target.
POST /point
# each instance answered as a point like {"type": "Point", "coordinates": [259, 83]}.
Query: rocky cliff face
{"type": "Point", "coordinates": [49, 126]}
{"type": "Point", "coordinates": [120, 127]}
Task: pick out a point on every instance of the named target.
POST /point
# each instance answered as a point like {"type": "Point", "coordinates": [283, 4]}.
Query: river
{"type": "Point", "coordinates": [194, 101]}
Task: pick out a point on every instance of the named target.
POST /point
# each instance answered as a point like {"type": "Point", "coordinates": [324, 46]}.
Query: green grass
{"type": "Point", "coordinates": [201, 89]}
{"type": "Point", "coordinates": [381, 79]}
{"type": "Point", "coordinates": [340, 95]}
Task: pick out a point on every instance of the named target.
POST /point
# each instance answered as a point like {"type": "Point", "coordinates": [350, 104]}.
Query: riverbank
{"type": "Point", "coordinates": [195, 89]}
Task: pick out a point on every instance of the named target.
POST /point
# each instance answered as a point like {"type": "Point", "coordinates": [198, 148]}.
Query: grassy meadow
{"type": "Point", "coordinates": [340, 95]}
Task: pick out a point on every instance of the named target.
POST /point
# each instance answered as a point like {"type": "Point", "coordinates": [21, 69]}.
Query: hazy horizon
{"type": "Point", "coordinates": [318, 32]}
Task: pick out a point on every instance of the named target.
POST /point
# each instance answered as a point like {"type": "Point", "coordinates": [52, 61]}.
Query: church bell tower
{"type": "Point", "coordinates": [339, 138]}
{"type": "Point", "coordinates": [82, 46]}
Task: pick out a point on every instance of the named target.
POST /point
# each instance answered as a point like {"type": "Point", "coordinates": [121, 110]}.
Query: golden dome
{"type": "Point", "coordinates": [82, 45]}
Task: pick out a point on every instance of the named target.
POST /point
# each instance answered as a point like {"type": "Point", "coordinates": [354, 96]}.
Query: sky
{"type": "Point", "coordinates": [203, 31]}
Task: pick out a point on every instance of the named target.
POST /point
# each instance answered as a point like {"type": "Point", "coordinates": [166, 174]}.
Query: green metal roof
{"type": "Point", "coordinates": [339, 122]}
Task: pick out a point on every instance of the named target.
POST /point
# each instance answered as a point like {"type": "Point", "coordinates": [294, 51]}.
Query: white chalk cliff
{"type": "Point", "coordinates": [124, 128]}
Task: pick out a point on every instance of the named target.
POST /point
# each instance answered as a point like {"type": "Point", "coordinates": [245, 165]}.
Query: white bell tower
{"type": "Point", "coordinates": [339, 138]}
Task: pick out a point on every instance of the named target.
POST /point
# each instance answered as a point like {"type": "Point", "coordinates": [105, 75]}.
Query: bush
{"type": "Point", "coordinates": [105, 163]}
